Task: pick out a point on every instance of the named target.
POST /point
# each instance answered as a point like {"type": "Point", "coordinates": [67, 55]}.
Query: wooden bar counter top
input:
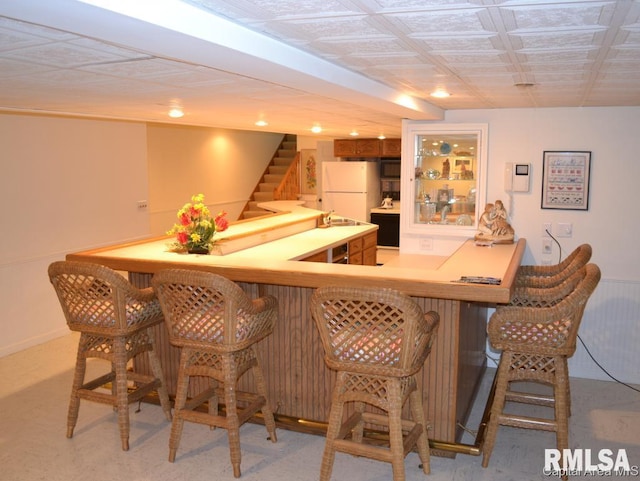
{"type": "Point", "coordinates": [298, 381]}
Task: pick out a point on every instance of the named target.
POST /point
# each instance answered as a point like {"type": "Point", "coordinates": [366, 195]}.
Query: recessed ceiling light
{"type": "Point", "coordinates": [354, 133]}
{"type": "Point", "coordinates": [262, 123]}
{"type": "Point", "coordinates": [440, 94]}
{"type": "Point", "coordinates": [176, 113]}
{"type": "Point", "coordinates": [381, 137]}
{"type": "Point", "coordinates": [316, 129]}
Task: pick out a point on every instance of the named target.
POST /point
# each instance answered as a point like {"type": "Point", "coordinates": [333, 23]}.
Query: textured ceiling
{"type": "Point", "coordinates": [344, 64]}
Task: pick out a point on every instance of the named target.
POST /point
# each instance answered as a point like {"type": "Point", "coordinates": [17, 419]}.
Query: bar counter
{"type": "Point", "coordinates": [298, 381]}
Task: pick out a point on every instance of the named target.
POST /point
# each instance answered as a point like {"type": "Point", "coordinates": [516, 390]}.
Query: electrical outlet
{"type": "Point", "coordinates": [565, 229]}
{"type": "Point", "coordinates": [546, 229]}
{"type": "Point", "coordinates": [142, 204]}
{"type": "Point", "coordinates": [546, 246]}
{"type": "Point", "coordinates": [426, 244]}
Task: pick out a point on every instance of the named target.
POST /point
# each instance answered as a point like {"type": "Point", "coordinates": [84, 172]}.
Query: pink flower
{"type": "Point", "coordinates": [185, 219]}
{"type": "Point", "coordinates": [221, 222]}
{"type": "Point", "coordinates": [183, 237]}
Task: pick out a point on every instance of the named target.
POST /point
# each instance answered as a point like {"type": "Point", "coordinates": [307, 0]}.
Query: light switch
{"type": "Point", "coordinates": [565, 229]}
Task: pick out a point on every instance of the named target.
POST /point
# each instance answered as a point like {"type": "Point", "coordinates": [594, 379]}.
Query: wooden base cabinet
{"type": "Point", "coordinates": [362, 251]}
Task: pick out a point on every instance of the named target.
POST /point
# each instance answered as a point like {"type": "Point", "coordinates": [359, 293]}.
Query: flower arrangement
{"type": "Point", "coordinates": [196, 228]}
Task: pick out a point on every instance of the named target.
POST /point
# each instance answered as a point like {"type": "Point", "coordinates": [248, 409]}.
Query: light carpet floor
{"type": "Point", "coordinates": [34, 393]}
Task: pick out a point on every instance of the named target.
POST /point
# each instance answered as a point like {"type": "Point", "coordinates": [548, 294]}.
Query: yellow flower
{"type": "Point", "coordinates": [196, 228]}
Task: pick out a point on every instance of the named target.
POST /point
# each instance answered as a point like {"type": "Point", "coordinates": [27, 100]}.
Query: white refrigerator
{"type": "Point", "coordinates": [350, 188]}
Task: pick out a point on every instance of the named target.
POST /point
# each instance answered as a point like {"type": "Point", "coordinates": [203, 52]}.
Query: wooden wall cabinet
{"type": "Point", "coordinates": [357, 148]}
{"type": "Point", "coordinates": [367, 148]}
{"type": "Point", "coordinates": [391, 147]}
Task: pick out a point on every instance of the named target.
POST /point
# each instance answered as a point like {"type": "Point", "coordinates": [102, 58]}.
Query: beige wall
{"type": "Point", "coordinates": [70, 184]}
{"type": "Point", "coordinates": [222, 164]}
{"type": "Point", "coordinates": [66, 184]}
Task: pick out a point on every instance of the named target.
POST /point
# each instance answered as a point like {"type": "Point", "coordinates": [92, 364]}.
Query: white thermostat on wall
{"type": "Point", "coordinates": [516, 177]}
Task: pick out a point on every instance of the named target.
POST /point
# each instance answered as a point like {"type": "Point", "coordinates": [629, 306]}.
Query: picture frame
{"type": "Point", "coordinates": [308, 172]}
{"type": "Point", "coordinates": [565, 180]}
{"type": "Point", "coordinates": [459, 163]}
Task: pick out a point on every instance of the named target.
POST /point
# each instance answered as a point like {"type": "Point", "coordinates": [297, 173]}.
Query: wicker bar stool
{"type": "Point", "coordinates": [536, 343]}
{"type": "Point", "coordinates": [376, 339]}
{"type": "Point", "coordinates": [216, 326]}
{"type": "Point", "coordinates": [549, 276]}
{"type": "Point", "coordinates": [542, 291]}
{"type": "Point", "coordinates": [114, 319]}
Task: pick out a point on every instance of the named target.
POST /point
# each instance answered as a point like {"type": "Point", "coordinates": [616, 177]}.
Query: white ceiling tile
{"type": "Point", "coordinates": [576, 52]}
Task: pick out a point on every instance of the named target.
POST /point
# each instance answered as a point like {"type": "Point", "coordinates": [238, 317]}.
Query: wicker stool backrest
{"type": "Point", "coordinates": [206, 310]}
{"type": "Point", "coordinates": [548, 330]}
{"type": "Point", "coordinates": [547, 296]}
{"type": "Point", "coordinates": [98, 300]}
{"type": "Point", "coordinates": [372, 330]}
{"type": "Point", "coordinates": [549, 276]}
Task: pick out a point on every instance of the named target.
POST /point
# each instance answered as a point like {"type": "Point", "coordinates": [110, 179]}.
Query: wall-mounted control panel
{"type": "Point", "coordinates": [517, 177]}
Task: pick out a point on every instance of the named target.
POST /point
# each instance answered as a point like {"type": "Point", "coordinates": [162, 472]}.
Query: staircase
{"type": "Point", "coordinates": [279, 181]}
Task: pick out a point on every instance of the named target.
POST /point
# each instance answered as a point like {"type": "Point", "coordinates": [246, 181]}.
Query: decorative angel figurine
{"type": "Point", "coordinates": [494, 225]}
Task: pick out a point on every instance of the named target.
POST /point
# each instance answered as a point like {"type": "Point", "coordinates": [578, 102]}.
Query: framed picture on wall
{"type": "Point", "coordinates": [308, 171]}
{"type": "Point", "coordinates": [565, 180]}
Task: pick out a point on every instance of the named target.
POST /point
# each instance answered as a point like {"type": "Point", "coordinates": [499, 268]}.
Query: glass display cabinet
{"type": "Point", "coordinates": [443, 177]}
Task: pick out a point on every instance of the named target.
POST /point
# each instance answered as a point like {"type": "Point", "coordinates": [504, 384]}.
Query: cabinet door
{"type": "Point", "coordinates": [368, 147]}
{"type": "Point", "coordinates": [356, 258]}
{"type": "Point", "coordinates": [344, 148]}
{"type": "Point", "coordinates": [355, 245]}
{"type": "Point", "coordinates": [369, 241]}
{"type": "Point", "coordinates": [369, 257]}
{"type": "Point", "coordinates": [391, 147]}
{"type": "Point", "coordinates": [357, 148]}
{"type": "Point", "coordinates": [369, 249]}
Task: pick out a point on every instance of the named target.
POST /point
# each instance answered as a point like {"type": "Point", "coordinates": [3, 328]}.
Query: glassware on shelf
{"type": "Point", "coordinates": [427, 212]}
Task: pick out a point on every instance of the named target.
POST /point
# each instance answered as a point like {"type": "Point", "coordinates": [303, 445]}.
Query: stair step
{"type": "Point", "coordinates": [288, 153]}
{"type": "Point", "coordinates": [267, 187]}
{"type": "Point", "coordinates": [278, 169]}
{"type": "Point", "coordinates": [273, 178]}
{"type": "Point", "coordinates": [263, 196]}
{"type": "Point", "coordinates": [279, 166]}
{"type": "Point", "coordinates": [282, 161]}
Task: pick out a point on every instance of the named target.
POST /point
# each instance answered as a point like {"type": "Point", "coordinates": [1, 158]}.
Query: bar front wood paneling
{"type": "Point", "coordinates": [298, 382]}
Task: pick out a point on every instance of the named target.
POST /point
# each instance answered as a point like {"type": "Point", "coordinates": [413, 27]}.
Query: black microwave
{"type": "Point", "coordinates": [390, 169]}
